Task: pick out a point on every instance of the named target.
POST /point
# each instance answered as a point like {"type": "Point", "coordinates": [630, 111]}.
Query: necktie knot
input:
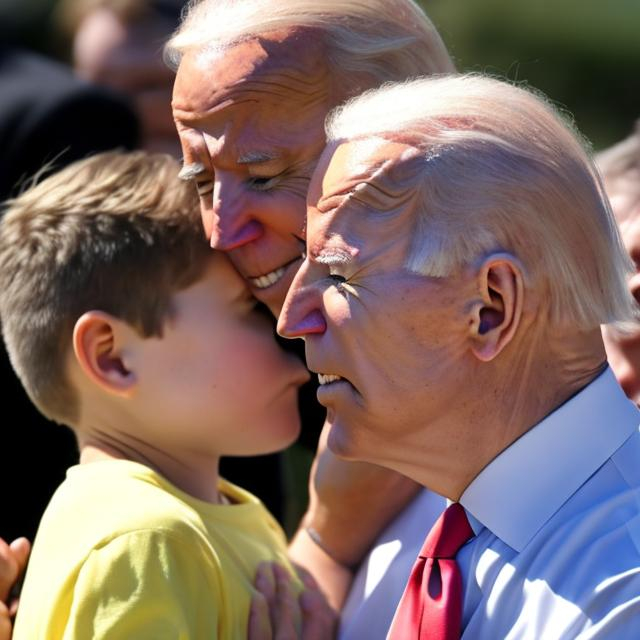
{"type": "Point", "coordinates": [449, 533]}
{"type": "Point", "coordinates": [431, 606]}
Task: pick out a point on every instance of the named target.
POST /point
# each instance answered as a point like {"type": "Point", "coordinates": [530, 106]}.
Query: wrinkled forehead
{"type": "Point", "coordinates": [280, 68]}
{"type": "Point", "coordinates": [363, 187]}
{"type": "Point", "coordinates": [365, 165]}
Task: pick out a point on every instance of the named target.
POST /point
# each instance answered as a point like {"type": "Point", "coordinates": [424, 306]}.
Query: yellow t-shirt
{"type": "Point", "coordinates": [122, 553]}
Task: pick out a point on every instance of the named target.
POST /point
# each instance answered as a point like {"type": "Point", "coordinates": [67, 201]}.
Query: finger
{"type": "Point", "coordinates": [13, 607]}
{"type": "Point", "coordinates": [319, 621]}
{"type": "Point", "coordinates": [306, 578]}
{"type": "Point", "coordinates": [8, 569]}
{"type": "Point", "coordinates": [5, 623]}
{"type": "Point", "coordinates": [265, 583]}
{"type": "Point", "coordinates": [259, 627]}
{"type": "Point", "coordinates": [21, 548]}
{"type": "Point", "coordinates": [288, 623]}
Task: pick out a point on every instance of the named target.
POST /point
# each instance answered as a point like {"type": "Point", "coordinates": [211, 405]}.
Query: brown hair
{"type": "Point", "coordinates": [118, 232]}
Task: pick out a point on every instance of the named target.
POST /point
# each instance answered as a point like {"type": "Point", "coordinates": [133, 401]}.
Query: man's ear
{"type": "Point", "coordinates": [99, 345]}
{"type": "Point", "coordinates": [496, 317]}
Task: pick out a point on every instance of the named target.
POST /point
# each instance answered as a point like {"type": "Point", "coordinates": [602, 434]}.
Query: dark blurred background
{"type": "Point", "coordinates": [584, 54]}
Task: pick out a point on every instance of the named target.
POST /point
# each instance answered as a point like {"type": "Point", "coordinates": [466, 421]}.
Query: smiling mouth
{"type": "Point", "coordinates": [269, 279]}
{"type": "Point", "coordinates": [328, 378]}
{"type": "Point", "coordinates": [262, 282]}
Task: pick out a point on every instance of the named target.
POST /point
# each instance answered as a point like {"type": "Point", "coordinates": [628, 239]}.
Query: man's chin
{"type": "Point", "coordinates": [339, 441]}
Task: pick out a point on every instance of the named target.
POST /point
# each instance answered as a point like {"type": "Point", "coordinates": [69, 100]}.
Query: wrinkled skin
{"type": "Point", "coordinates": [252, 119]}
{"type": "Point", "coordinates": [410, 364]}
{"type": "Point", "coordinates": [251, 125]}
{"type": "Point", "coordinates": [356, 302]}
{"type": "Point", "coordinates": [357, 305]}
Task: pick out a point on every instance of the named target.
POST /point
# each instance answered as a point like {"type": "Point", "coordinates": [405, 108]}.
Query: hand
{"type": "Point", "coordinates": [276, 614]}
{"type": "Point", "coordinates": [350, 503]}
{"type": "Point", "coordinates": [13, 561]}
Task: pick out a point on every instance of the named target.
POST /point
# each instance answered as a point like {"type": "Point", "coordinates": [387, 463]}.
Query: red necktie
{"type": "Point", "coordinates": [431, 606]}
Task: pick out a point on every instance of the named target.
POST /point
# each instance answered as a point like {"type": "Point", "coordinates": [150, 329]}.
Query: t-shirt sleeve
{"type": "Point", "coordinates": [145, 584]}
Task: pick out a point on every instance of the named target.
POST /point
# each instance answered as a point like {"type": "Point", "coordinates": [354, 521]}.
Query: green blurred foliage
{"type": "Point", "coordinates": [584, 54]}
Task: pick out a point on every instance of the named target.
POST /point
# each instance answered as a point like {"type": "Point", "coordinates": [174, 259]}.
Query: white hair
{"type": "Point", "coordinates": [620, 168]}
{"type": "Point", "coordinates": [384, 39]}
{"type": "Point", "coordinates": [502, 171]}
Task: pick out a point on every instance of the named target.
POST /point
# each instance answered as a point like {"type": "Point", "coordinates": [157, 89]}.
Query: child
{"type": "Point", "coordinates": [123, 324]}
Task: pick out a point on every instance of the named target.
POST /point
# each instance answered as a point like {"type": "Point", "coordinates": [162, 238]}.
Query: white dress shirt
{"type": "Point", "coordinates": [380, 581]}
{"type": "Point", "coordinates": [557, 522]}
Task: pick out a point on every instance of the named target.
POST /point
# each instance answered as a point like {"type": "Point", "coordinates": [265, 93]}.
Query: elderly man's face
{"type": "Point", "coordinates": [251, 123]}
{"type": "Point", "coordinates": [388, 344]}
{"type": "Point", "coordinates": [623, 351]}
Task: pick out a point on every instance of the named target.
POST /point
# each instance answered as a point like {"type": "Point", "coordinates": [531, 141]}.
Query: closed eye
{"type": "Point", "coordinates": [262, 183]}
{"type": "Point", "coordinates": [343, 285]}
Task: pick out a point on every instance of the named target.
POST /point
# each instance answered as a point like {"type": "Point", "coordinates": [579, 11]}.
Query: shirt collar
{"type": "Point", "coordinates": [517, 493]}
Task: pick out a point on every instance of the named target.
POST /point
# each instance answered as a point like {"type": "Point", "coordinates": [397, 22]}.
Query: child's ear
{"type": "Point", "coordinates": [496, 317]}
{"type": "Point", "coordinates": [100, 344]}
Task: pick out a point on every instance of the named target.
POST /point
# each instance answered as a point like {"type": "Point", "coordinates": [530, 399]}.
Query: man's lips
{"type": "Point", "coordinates": [332, 387]}
{"type": "Point", "coordinates": [328, 380]}
{"type": "Point", "coordinates": [269, 279]}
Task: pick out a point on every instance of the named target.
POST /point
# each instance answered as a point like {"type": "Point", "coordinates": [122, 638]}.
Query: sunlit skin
{"type": "Point", "coordinates": [623, 350]}
{"type": "Point", "coordinates": [251, 121]}
{"type": "Point", "coordinates": [251, 125]}
{"type": "Point", "coordinates": [214, 383]}
{"type": "Point", "coordinates": [417, 355]}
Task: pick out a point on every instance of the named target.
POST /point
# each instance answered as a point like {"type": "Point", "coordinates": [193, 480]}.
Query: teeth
{"type": "Point", "coordinates": [267, 280]}
{"type": "Point", "coordinates": [327, 378]}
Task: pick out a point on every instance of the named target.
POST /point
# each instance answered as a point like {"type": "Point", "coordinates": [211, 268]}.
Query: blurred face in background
{"type": "Point", "coordinates": [126, 56]}
{"type": "Point", "coordinates": [623, 349]}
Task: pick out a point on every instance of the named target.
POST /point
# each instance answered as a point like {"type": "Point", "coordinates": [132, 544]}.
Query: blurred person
{"type": "Point", "coordinates": [461, 257]}
{"type": "Point", "coordinates": [620, 167]}
{"type": "Point", "coordinates": [118, 44]}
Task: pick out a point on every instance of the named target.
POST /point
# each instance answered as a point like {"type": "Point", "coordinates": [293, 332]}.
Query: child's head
{"type": "Point", "coordinates": [108, 289]}
{"type": "Point", "coordinates": [620, 167]}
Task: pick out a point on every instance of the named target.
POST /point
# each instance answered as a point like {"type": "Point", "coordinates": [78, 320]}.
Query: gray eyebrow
{"type": "Point", "coordinates": [190, 171]}
{"type": "Point", "coordinates": [256, 157]}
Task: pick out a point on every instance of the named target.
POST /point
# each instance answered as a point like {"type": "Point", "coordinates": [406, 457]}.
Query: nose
{"type": "Point", "coordinates": [227, 216]}
{"type": "Point", "coordinates": [302, 313]}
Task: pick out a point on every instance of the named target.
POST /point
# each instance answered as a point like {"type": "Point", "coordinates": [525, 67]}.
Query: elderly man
{"type": "Point", "coordinates": [461, 257]}
{"type": "Point", "coordinates": [255, 80]}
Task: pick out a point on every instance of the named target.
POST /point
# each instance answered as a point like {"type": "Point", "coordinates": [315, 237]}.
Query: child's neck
{"type": "Point", "coordinates": [197, 476]}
